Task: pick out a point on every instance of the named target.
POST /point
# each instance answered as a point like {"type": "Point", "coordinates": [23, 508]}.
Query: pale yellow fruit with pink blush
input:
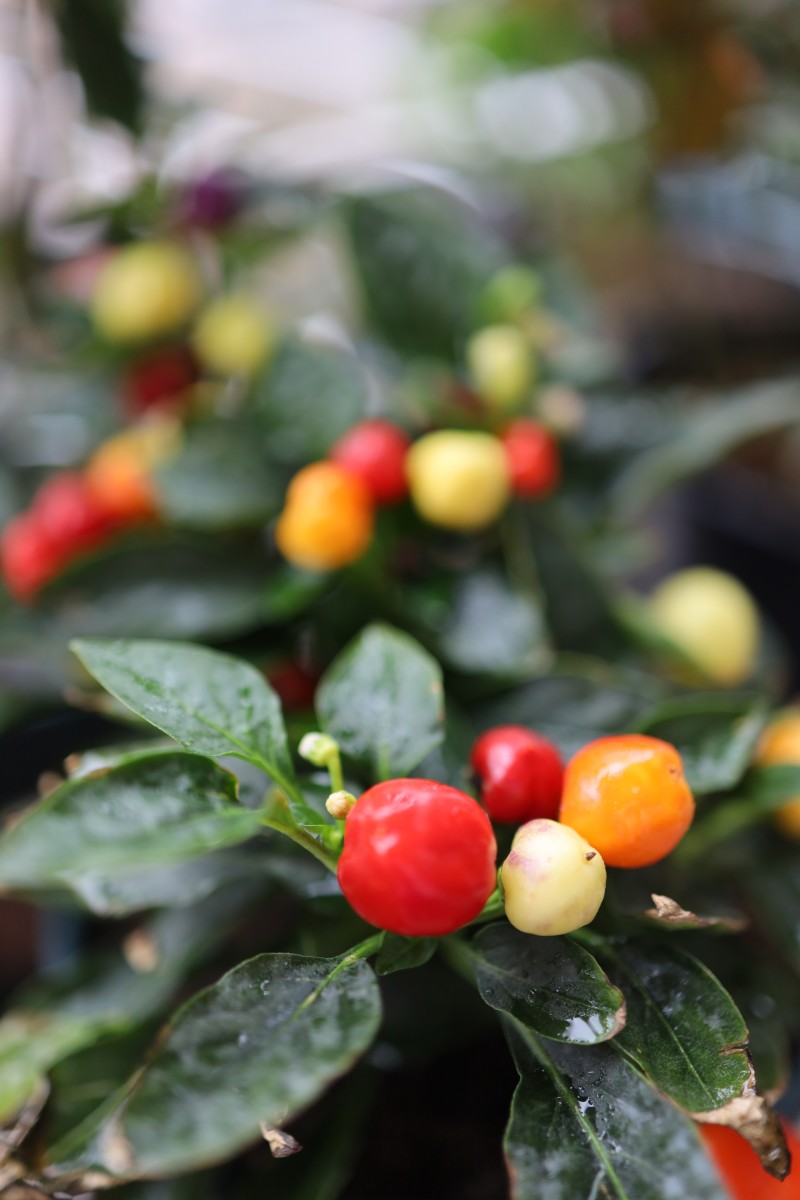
{"type": "Point", "coordinates": [553, 881]}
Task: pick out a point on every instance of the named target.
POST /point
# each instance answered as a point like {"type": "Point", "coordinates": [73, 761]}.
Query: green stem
{"type": "Point", "coordinates": [336, 773]}
{"type": "Point", "coordinates": [301, 837]}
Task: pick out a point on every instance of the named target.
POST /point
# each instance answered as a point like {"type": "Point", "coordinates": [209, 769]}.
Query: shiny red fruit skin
{"type": "Point", "coordinates": [418, 858]}
{"type": "Point", "coordinates": [375, 450]}
{"type": "Point", "coordinates": [521, 774]}
{"type": "Point", "coordinates": [534, 462]}
{"type": "Point", "coordinates": [159, 380]}
{"type": "Point", "coordinates": [69, 516]}
{"type": "Point", "coordinates": [27, 556]}
{"type": "Point", "coordinates": [741, 1170]}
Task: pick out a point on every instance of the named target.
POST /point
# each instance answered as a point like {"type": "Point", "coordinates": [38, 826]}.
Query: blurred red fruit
{"type": "Point", "coordinates": [375, 451]}
{"type": "Point", "coordinates": [533, 460]}
{"type": "Point", "coordinates": [27, 556]}
{"type": "Point", "coordinates": [159, 380]}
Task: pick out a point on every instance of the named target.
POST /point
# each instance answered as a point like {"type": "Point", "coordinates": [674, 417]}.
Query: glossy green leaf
{"type": "Point", "coordinates": [309, 397]}
{"type": "Point", "coordinates": [493, 629]}
{"type": "Point", "coordinates": [160, 808]}
{"type": "Point", "coordinates": [209, 702]}
{"type": "Point", "coordinates": [258, 1046]}
{"type": "Point", "coordinates": [585, 1125]}
{"type": "Point", "coordinates": [29, 1046]}
{"type": "Point", "coordinates": [404, 953]}
{"type": "Point", "coordinates": [423, 258]}
{"type": "Point", "coordinates": [683, 1029]}
{"type": "Point", "coordinates": [220, 479]}
{"type": "Point", "coordinates": [716, 736]}
{"type": "Point", "coordinates": [551, 985]}
{"type": "Point", "coordinates": [382, 700]}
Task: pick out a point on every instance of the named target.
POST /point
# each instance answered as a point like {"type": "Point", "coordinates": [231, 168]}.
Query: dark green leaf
{"type": "Point", "coordinates": [175, 885]}
{"type": "Point", "coordinates": [93, 34]}
{"type": "Point", "coordinates": [683, 1029]}
{"type": "Point", "coordinates": [310, 396]}
{"type": "Point", "coordinates": [763, 790]}
{"type": "Point", "coordinates": [579, 606]}
{"type": "Point", "coordinates": [220, 480]}
{"type": "Point", "coordinates": [161, 587]}
{"type": "Point", "coordinates": [709, 434]}
{"type": "Point", "coordinates": [549, 984]}
{"type": "Point", "coordinates": [424, 258]}
{"type": "Point", "coordinates": [585, 1125]}
{"type": "Point", "coordinates": [381, 699]}
{"type": "Point", "coordinates": [716, 736]}
{"type": "Point", "coordinates": [403, 953]}
{"type": "Point", "coordinates": [209, 702]}
{"type": "Point", "coordinates": [493, 629]}
{"type": "Point", "coordinates": [573, 709]}
{"type": "Point", "coordinates": [160, 808]}
{"type": "Point", "coordinates": [258, 1046]}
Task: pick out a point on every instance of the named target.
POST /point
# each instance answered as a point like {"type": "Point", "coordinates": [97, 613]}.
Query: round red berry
{"type": "Point", "coordinates": [521, 774]}
{"type": "Point", "coordinates": [534, 464]}
{"type": "Point", "coordinates": [375, 451]}
{"type": "Point", "coordinates": [159, 380]}
{"type": "Point", "coordinates": [69, 516]}
{"type": "Point", "coordinates": [27, 556]}
{"type": "Point", "coordinates": [295, 685]}
{"type": "Point", "coordinates": [418, 858]}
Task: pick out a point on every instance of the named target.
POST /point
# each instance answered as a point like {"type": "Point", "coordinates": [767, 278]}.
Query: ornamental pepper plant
{"type": "Point", "coordinates": [397, 771]}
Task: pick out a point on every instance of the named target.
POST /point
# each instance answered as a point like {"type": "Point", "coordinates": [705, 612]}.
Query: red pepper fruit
{"type": "Point", "coordinates": [521, 774]}
{"type": "Point", "coordinates": [534, 464]}
{"type": "Point", "coordinates": [69, 515]}
{"type": "Point", "coordinates": [418, 858]}
{"type": "Point", "coordinates": [294, 685]}
{"type": "Point", "coordinates": [740, 1167]}
{"type": "Point", "coordinates": [376, 451]}
{"type": "Point", "coordinates": [27, 556]}
{"type": "Point", "coordinates": [159, 380]}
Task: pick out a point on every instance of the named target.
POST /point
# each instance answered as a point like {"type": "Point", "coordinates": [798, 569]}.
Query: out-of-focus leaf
{"type": "Point", "coordinates": [710, 433]}
{"type": "Point", "coordinates": [616, 1136]}
{"type": "Point", "coordinates": [309, 397]}
{"type": "Point", "coordinates": [423, 258]}
{"type": "Point", "coordinates": [762, 791]}
{"type": "Point", "coordinates": [382, 700]}
{"type": "Point", "coordinates": [493, 629]}
{"type": "Point", "coordinates": [579, 607]}
{"type": "Point", "coordinates": [58, 1016]}
{"type": "Point", "coordinates": [163, 588]}
{"type": "Point", "coordinates": [255, 1048]}
{"type": "Point", "coordinates": [93, 34]}
{"type": "Point", "coordinates": [550, 985]}
{"type": "Point", "coordinates": [716, 735]}
{"type": "Point", "coordinates": [220, 479]}
{"type": "Point", "coordinates": [573, 708]}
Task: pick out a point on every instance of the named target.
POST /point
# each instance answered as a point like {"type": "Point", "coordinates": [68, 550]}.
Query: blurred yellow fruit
{"type": "Point", "coordinates": [146, 290]}
{"type": "Point", "coordinates": [713, 619]}
{"type": "Point", "coordinates": [500, 361]}
{"type": "Point", "coordinates": [780, 745]}
{"type": "Point", "coordinates": [458, 479]}
{"type": "Point", "coordinates": [234, 336]}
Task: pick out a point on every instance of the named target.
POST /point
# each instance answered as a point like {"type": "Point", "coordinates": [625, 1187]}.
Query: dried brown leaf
{"type": "Point", "coordinates": [667, 911]}
{"type": "Point", "coordinates": [281, 1144]}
